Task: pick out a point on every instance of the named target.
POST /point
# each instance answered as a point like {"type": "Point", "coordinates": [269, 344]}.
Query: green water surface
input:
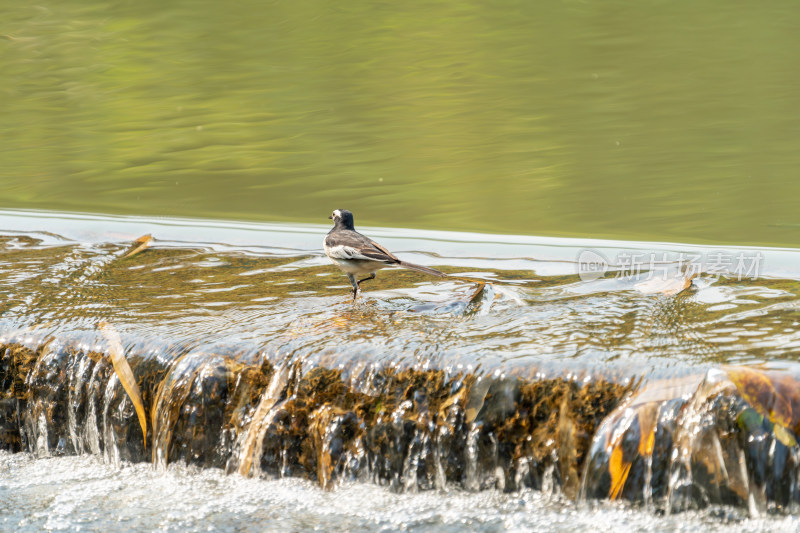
{"type": "Point", "coordinates": [650, 120]}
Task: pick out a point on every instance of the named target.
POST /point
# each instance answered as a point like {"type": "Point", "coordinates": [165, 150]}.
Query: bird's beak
{"type": "Point", "coordinates": [330, 217]}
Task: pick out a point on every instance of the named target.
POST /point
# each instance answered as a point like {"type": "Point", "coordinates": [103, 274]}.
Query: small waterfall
{"type": "Point", "coordinates": [111, 451]}
{"type": "Point", "coordinates": [471, 481]}
{"type": "Point", "coordinates": [726, 437]}
{"type": "Point", "coordinates": [91, 431]}
{"type": "Point", "coordinates": [416, 461]}
{"type": "Point", "coordinates": [197, 405]}
{"type": "Point", "coordinates": [170, 397]}
{"type": "Point", "coordinates": [697, 442]}
{"type": "Point", "coordinates": [80, 380]}
{"type": "Point", "coordinates": [440, 480]}
{"type": "Point", "coordinates": [42, 405]}
{"type": "Point", "coordinates": [42, 446]}
{"type": "Point", "coordinates": [249, 447]}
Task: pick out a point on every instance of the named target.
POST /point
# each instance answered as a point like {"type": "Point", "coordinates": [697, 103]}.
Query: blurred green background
{"type": "Point", "coordinates": [649, 120]}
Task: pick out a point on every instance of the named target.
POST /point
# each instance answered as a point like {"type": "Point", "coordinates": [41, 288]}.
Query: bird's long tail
{"type": "Point", "coordinates": [423, 269]}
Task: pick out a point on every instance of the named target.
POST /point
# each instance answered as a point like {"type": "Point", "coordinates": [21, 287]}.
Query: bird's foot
{"type": "Point", "coordinates": [371, 276]}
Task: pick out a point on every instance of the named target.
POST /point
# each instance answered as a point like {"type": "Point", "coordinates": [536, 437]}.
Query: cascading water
{"type": "Point", "coordinates": [581, 390]}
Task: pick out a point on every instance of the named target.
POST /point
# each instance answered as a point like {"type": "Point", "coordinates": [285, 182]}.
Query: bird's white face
{"type": "Point", "coordinates": [336, 215]}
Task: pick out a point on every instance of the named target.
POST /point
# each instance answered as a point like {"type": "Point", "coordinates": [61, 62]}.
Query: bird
{"type": "Point", "coordinates": [358, 255]}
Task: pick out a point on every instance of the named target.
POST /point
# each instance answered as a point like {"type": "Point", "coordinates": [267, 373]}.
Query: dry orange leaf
{"type": "Point", "coordinates": [138, 245]}
{"type": "Point", "coordinates": [648, 420]}
{"type": "Point", "coordinates": [124, 372]}
{"type": "Point", "coordinates": [619, 469]}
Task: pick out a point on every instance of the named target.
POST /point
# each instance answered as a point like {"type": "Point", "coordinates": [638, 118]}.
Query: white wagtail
{"type": "Point", "coordinates": [357, 255]}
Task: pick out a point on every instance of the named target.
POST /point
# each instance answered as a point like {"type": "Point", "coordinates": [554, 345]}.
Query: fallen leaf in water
{"type": "Point", "coordinates": [477, 292]}
{"type": "Point", "coordinates": [138, 245]}
{"type": "Point", "coordinates": [124, 372]}
{"type": "Point", "coordinates": [481, 299]}
{"type": "Point", "coordinates": [648, 420]}
{"type": "Point", "coordinates": [619, 469]}
{"type": "Point", "coordinates": [666, 286]}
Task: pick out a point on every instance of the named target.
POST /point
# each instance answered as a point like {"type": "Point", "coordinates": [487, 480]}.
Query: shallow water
{"type": "Point", "coordinates": [208, 296]}
{"type": "Point", "coordinates": [267, 286]}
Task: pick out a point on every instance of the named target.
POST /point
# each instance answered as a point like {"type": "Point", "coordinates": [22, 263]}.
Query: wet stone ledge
{"type": "Point", "coordinates": [725, 437]}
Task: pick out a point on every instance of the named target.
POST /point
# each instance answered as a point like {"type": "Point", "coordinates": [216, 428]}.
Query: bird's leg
{"type": "Point", "coordinates": [371, 276]}
{"type": "Point", "coordinates": [354, 283]}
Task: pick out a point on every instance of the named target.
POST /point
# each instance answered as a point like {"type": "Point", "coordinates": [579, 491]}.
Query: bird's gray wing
{"type": "Point", "coordinates": [353, 245]}
{"type": "Point", "coordinates": [383, 251]}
